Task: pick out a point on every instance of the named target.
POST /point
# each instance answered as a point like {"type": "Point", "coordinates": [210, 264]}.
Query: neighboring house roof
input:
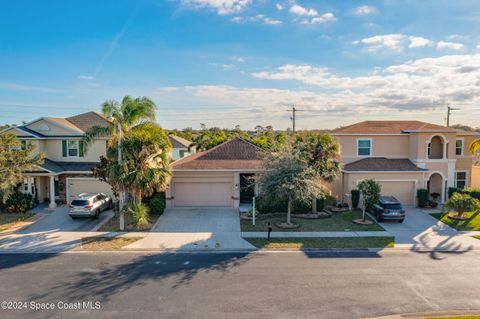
{"type": "Point", "coordinates": [382, 164]}
{"type": "Point", "coordinates": [179, 142]}
{"type": "Point", "coordinates": [391, 127]}
{"type": "Point", "coordinates": [233, 154]}
{"type": "Point", "coordinates": [87, 120]}
{"type": "Point", "coordinates": [59, 167]}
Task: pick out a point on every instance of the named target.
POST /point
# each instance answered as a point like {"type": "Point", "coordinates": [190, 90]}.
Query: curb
{"type": "Point", "coordinates": [420, 315]}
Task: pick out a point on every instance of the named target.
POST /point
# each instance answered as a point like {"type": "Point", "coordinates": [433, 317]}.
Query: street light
{"type": "Point", "coordinates": [119, 159]}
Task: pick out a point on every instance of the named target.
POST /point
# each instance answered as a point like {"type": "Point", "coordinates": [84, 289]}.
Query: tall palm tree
{"type": "Point", "coordinates": [475, 146]}
{"type": "Point", "coordinates": [128, 114]}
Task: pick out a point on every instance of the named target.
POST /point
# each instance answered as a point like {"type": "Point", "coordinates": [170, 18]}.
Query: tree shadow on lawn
{"type": "Point", "coordinates": [104, 280]}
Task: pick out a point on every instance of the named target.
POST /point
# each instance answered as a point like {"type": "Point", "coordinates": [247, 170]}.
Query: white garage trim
{"type": "Point", "coordinates": [414, 181]}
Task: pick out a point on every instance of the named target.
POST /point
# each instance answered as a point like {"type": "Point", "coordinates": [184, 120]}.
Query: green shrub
{"type": "Point", "coordinates": [422, 196]}
{"type": "Point", "coordinates": [156, 203]}
{"type": "Point", "coordinates": [280, 206]}
{"type": "Point", "coordinates": [139, 214]}
{"type": "Point", "coordinates": [18, 203]}
{"type": "Point", "coordinates": [355, 197]}
{"type": "Point", "coordinates": [452, 190]}
{"type": "Point", "coordinates": [472, 191]}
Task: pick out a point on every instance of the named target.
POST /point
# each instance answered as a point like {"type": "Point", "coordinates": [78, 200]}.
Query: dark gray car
{"type": "Point", "coordinates": [389, 208]}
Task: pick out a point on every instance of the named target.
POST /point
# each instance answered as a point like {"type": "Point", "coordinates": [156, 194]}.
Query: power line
{"type": "Point", "coordinates": [294, 111]}
{"type": "Point", "coordinates": [449, 110]}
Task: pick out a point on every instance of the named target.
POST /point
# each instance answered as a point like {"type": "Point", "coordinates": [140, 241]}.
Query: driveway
{"type": "Point", "coordinates": [422, 231]}
{"type": "Point", "coordinates": [57, 219]}
{"type": "Point", "coordinates": [192, 228]}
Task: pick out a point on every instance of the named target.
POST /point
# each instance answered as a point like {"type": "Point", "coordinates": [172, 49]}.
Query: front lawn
{"type": "Point", "coordinates": [472, 223]}
{"type": "Point", "coordinates": [323, 242]}
{"type": "Point", "coordinates": [8, 220]}
{"type": "Point", "coordinates": [106, 243]}
{"type": "Point", "coordinates": [338, 222]}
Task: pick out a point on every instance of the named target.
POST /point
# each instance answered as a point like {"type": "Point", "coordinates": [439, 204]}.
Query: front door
{"type": "Point", "coordinates": [247, 188]}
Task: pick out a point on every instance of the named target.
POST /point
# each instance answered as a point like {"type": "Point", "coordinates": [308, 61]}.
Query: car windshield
{"type": "Point", "coordinates": [393, 206]}
{"type": "Point", "coordinates": [78, 202]}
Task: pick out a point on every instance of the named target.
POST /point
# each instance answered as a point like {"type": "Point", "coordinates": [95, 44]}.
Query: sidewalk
{"type": "Point", "coordinates": [317, 234]}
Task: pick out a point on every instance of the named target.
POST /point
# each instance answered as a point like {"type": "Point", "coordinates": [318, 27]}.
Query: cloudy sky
{"type": "Point", "coordinates": [243, 62]}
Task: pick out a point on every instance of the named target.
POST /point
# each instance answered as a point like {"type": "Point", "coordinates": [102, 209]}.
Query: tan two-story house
{"type": "Point", "coordinates": [404, 156]}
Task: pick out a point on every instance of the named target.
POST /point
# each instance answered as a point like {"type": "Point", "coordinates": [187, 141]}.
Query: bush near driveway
{"type": "Point", "coordinates": [280, 206]}
{"type": "Point", "coordinates": [338, 222]}
{"type": "Point", "coordinates": [156, 203]}
{"type": "Point", "coordinates": [323, 242]}
{"type": "Point", "coordinates": [422, 196]}
{"type": "Point", "coordinates": [18, 203]}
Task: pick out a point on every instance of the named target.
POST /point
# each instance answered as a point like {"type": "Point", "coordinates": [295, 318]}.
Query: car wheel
{"type": "Point", "coordinates": [97, 214]}
{"type": "Point", "coordinates": [379, 219]}
{"type": "Point", "coordinates": [400, 220]}
{"type": "Point", "coordinates": [73, 217]}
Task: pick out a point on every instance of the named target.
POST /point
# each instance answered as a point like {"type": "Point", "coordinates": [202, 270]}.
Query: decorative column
{"type": "Point", "coordinates": [52, 192]}
{"type": "Point", "coordinates": [29, 185]}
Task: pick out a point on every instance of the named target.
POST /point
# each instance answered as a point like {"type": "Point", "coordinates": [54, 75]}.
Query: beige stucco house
{"type": "Point", "coordinates": [216, 177]}
{"type": "Point", "coordinates": [180, 147]}
{"type": "Point", "coordinates": [404, 156]}
{"type": "Point", "coordinates": [67, 170]}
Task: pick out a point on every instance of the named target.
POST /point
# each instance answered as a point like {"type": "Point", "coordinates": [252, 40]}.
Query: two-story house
{"type": "Point", "coordinates": [66, 170]}
{"type": "Point", "coordinates": [180, 147]}
{"type": "Point", "coordinates": [404, 156]}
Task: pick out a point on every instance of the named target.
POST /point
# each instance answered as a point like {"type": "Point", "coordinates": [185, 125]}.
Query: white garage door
{"type": "Point", "coordinates": [403, 191]}
{"type": "Point", "coordinates": [203, 194]}
{"type": "Point", "coordinates": [91, 185]}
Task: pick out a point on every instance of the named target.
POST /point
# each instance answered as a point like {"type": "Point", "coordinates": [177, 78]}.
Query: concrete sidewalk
{"type": "Point", "coordinates": [328, 234]}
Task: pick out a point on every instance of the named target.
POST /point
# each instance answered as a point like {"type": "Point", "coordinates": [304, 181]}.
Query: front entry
{"type": "Point", "coordinates": [247, 188]}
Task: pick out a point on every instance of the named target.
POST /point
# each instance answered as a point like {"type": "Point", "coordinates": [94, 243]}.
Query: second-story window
{"type": "Point", "coordinates": [459, 147]}
{"type": "Point", "coordinates": [364, 147]}
{"type": "Point", "coordinates": [71, 148]}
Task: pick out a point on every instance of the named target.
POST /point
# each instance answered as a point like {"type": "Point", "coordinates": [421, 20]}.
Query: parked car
{"type": "Point", "coordinates": [89, 205]}
{"type": "Point", "coordinates": [389, 208]}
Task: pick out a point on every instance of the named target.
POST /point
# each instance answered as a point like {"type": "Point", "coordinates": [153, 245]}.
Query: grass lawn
{"type": "Point", "coordinates": [324, 242]}
{"type": "Point", "coordinates": [106, 243]}
{"type": "Point", "coordinates": [338, 222]}
{"type": "Point", "coordinates": [8, 220]}
{"type": "Point", "coordinates": [477, 237]}
{"type": "Point", "coordinates": [455, 317]}
{"type": "Point", "coordinates": [473, 223]}
{"type": "Point", "coordinates": [113, 225]}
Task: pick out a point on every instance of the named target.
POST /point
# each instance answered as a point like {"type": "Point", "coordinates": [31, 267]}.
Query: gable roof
{"type": "Point", "coordinates": [85, 121]}
{"type": "Point", "coordinates": [390, 127]}
{"type": "Point", "coordinates": [233, 154]}
{"type": "Point", "coordinates": [382, 164]}
{"type": "Point", "coordinates": [179, 142]}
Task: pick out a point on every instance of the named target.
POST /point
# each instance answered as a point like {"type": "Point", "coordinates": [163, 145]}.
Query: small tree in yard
{"type": "Point", "coordinates": [288, 175]}
{"type": "Point", "coordinates": [461, 203]}
{"type": "Point", "coordinates": [370, 191]}
{"type": "Point", "coordinates": [14, 160]}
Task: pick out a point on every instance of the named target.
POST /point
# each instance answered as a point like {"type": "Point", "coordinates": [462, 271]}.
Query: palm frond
{"type": "Point", "coordinates": [475, 146]}
{"type": "Point", "coordinates": [93, 133]}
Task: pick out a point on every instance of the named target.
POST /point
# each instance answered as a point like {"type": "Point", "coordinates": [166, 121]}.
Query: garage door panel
{"type": "Point", "coordinates": [403, 191]}
{"type": "Point", "coordinates": [203, 194]}
{"type": "Point", "coordinates": [78, 186]}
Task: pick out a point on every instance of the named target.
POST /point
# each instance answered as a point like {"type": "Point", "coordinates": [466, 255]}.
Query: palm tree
{"type": "Point", "coordinates": [475, 147]}
{"type": "Point", "coordinates": [126, 115]}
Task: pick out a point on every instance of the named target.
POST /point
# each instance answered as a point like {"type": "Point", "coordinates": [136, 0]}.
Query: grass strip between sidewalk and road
{"type": "Point", "coordinates": [455, 317]}
{"type": "Point", "coordinates": [470, 224]}
{"type": "Point", "coordinates": [105, 243]}
{"type": "Point", "coordinates": [323, 242]}
{"type": "Point", "coordinates": [8, 220]}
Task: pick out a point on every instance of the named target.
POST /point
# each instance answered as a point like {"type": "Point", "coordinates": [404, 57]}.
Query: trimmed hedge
{"type": "Point", "coordinates": [355, 197]}
{"type": "Point", "coordinates": [156, 203]}
{"type": "Point", "coordinates": [422, 196]}
{"type": "Point", "coordinates": [280, 206]}
{"type": "Point", "coordinates": [18, 203]}
{"type": "Point", "coordinates": [472, 191]}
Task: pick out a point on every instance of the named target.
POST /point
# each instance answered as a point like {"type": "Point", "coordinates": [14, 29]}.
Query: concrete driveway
{"type": "Point", "coordinates": [422, 231]}
{"type": "Point", "coordinates": [57, 219]}
{"type": "Point", "coordinates": [196, 228]}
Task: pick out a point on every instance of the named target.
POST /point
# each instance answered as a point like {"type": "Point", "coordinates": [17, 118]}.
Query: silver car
{"type": "Point", "coordinates": [89, 205]}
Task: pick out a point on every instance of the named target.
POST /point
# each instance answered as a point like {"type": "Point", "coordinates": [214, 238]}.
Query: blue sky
{"type": "Point", "coordinates": [245, 62]}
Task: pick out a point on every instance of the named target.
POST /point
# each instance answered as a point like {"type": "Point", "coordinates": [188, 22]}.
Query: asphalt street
{"type": "Point", "coordinates": [257, 285]}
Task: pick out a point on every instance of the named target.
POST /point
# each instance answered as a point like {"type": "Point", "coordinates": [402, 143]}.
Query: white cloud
{"type": "Point", "coordinates": [258, 18]}
{"type": "Point", "coordinates": [228, 66]}
{"type": "Point", "coordinates": [279, 7]}
{"type": "Point", "coordinates": [301, 11]}
{"type": "Point", "coordinates": [364, 10]}
{"type": "Point", "coordinates": [422, 83]}
{"type": "Point", "coordinates": [395, 41]}
{"type": "Point", "coordinates": [417, 42]}
{"type": "Point", "coordinates": [449, 45]}
{"type": "Point", "coordinates": [222, 7]}
{"type": "Point", "coordinates": [238, 59]}
{"type": "Point", "coordinates": [324, 18]}
{"type": "Point", "coordinates": [86, 77]}
{"type": "Point", "coordinates": [478, 46]}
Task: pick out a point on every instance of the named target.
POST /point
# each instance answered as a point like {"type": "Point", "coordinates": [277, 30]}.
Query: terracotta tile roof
{"type": "Point", "coordinates": [233, 154]}
{"type": "Point", "coordinates": [86, 120]}
{"type": "Point", "coordinates": [179, 142]}
{"type": "Point", "coordinates": [389, 127]}
{"type": "Point", "coordinates": [382, 164]}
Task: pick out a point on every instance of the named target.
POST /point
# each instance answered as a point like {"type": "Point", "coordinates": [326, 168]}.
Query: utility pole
{"type": "Point", "coordinates": [449, 110]}
{"type": "Point", "coordinates": [294, 111]}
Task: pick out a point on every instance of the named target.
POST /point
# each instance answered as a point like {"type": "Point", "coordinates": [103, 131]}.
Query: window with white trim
{"type": "Point", "coordinates": [460, 179]}
{"type": "Point", "coordinates": [364, 147]}
{"type": "Point", "coordinates": [72, 148]}
{"type": "Point", "coordinates": [459, 147]}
